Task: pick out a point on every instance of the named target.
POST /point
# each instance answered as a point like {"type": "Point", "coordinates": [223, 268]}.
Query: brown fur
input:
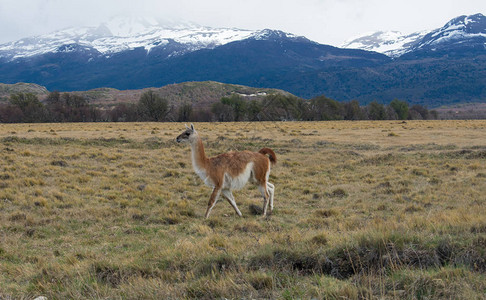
{"type": "Point", "coordinates": [235, 163]}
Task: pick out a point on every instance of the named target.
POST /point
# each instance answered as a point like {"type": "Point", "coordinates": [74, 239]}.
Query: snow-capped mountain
{"type": "Point", "coordinates": [391, 43]}
{"type": "Point", "coordinates": [121, 34]}
{"type": "Point", "coordinates": [134, 54]}
{"type": "Point", "coordinates": [464, 32]}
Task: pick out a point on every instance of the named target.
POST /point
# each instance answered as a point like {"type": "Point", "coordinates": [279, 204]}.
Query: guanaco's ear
{"type": "Point", "coordinates": [192, 127]}
{"type": "Point", "coordinates": [187, 127]}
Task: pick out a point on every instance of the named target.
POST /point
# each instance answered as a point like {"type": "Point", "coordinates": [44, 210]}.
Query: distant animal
{"type": "Point", "coordinates": [231, 171]}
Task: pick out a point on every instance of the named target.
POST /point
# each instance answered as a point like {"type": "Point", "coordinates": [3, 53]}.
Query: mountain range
{"type": "Point", "coordinates": [443, 66]}
{"type": "Point", "coordinates": [459, 33]}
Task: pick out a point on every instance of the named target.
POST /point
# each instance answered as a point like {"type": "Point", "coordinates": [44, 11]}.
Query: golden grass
{"type": "Point", "coordinates": [386, 209]}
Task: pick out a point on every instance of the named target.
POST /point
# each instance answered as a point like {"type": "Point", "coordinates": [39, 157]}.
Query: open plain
{"type": "Point", "coordinates": [363, 210]}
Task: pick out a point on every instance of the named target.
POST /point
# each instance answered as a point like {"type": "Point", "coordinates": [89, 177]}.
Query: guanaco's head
{"type": "Point", "coordinates": [188, 135]}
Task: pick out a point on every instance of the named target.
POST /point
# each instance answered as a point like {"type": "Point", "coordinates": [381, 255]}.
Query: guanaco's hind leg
{"type": "Point", "coordinates": [271, 191]}
{"type": "Point", "coordinates": [264, 191]}
{"type": "Point", "coordinates": [212, 200]}
{"type": "Point", "coordinates": [231, 199]}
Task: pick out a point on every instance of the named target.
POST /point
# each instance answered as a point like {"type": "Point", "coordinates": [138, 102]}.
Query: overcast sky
{"type": "Point", "coordinates": [325, 21]}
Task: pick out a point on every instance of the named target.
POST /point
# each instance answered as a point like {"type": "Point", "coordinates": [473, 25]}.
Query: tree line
{"type": "Point", "coordinates": [66, 107]}
{"type": "Point", "coordinates": [280, 108]}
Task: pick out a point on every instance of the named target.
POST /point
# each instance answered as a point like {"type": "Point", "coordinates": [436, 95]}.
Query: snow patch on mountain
{"type": "Point", "coordinates": [391, 43]}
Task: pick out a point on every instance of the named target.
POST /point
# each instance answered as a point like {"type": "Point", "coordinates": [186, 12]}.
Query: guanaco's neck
{"type": "Point", "coordinates": [199, 159]}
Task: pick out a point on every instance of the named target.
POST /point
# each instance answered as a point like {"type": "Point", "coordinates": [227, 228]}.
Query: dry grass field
{"type": "Point", "coordinates": [363, 210]}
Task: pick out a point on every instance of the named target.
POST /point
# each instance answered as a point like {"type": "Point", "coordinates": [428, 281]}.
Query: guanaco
{"type": "Point", "coordinates": [231, 171]}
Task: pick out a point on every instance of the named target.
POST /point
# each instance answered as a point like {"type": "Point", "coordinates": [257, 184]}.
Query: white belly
{"type": "Point", "coordinates": [238, 182]}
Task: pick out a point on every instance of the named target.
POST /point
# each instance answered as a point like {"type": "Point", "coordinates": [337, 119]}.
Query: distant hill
{"type": "Point", "coordinates": [7, 89]}
{"type": "Point", "coordinates": [199, 94]}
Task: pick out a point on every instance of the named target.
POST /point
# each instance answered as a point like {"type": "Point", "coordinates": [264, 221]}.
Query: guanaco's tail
{"type": "Point", "coordinates": [270, 153]}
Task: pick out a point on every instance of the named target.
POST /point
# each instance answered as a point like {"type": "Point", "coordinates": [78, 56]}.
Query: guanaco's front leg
{"type": "Point", "coordinates": [212, 200]}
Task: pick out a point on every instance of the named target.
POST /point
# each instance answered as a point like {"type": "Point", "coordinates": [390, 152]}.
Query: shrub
{"type": "Point", "coordinates": [401, 108]}
{"type": "Point", "coordinates": [152, 107]}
